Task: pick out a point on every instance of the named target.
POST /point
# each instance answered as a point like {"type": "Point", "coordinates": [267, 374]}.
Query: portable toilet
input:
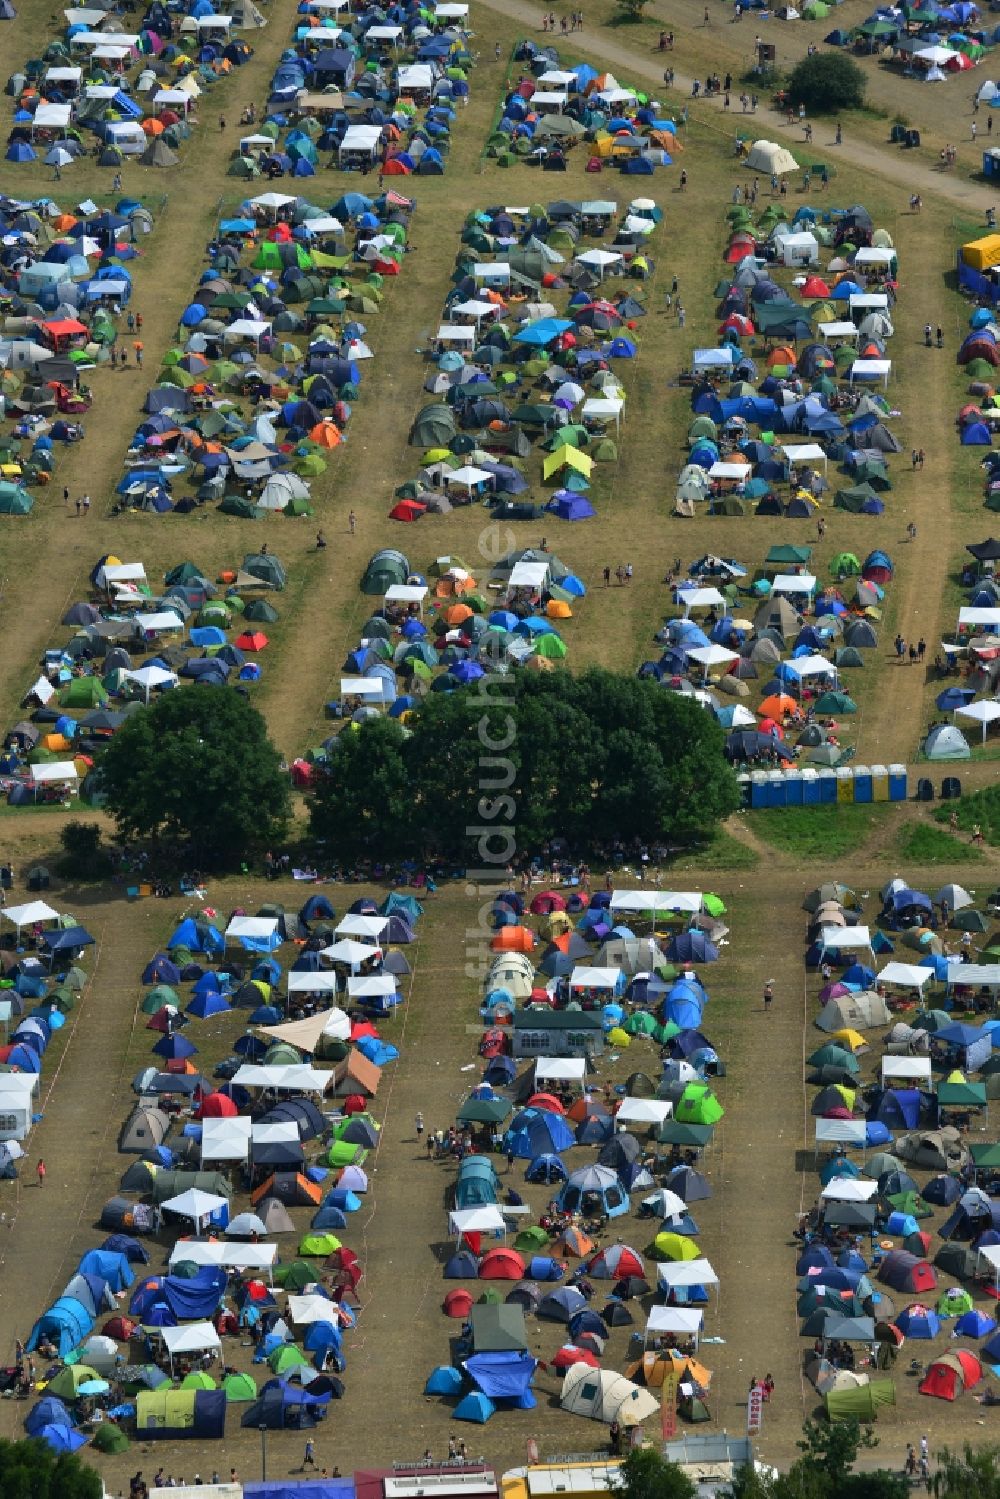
{"type": "Point", "coordinates": [810, 788]}
{"type": "Point", "coordinates": [897, 783]}
{"type": "Point", "coordinates": [862, 783]}
{"type": "Point", "coordinates": [793, 788]}
{"type": "Point", "coordinates": [845, 784]}
{"type": "Point", "coordinates": [743, 781]}
{"type": "Point", "coordinates": [758, 788]}
{"type": "Point", "coordinates": [775, 789]}
{"type": "Point", "coordinates": [827, 787]}
{"type": "Point", "coordinates": [880, 783]}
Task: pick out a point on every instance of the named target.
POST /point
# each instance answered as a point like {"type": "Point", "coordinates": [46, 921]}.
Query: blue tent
{"type": "Point", "coordinates": [504, 1376]}
{"type": "Point", "coordinates": [475, 1407]}
{"type": "Point", "coordinates": [203, 1006]}
{"type": "Point", "coordinates": [189, 1299]}
{"type": "Point", "coordinates": [50, 1411]}
{"type": "Point", "coordinates": [975, 1324]}
{"type": "Point", "coordinates": [112, 1267]}
{"type": "Point", "coordinates": [62, 1438]}
{"type": "Point", "coordinates": [444, 1380]}
{"type": "Point", "coordinates": [161, 970]}
{"type": "Point", "coordinates": [692, 947]}
{"type": "Point", "coordinates": [65, 1324]}
{"type": "Point", "coordinates": [191, 934]}
{"type": "Point", "coordinates": [918, 1322]}
{"type": "Point", "coordinates": [536, 1132]}
{"type": "Point", "coordinates": [546, 1168]}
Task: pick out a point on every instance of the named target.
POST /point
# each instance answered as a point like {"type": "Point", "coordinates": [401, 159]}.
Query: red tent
{"type": "Point", "coordinates": [407, 510]}
{"type": "Point", "coordinates": [457, 1303]}
{"type": "Point", "coordinates": [216, 1106]}
{"type": "Point", "coordinates": [950, 1374]}
{"type": "Point", "coordinates": [502, 1264]}
{"type": "Point", "coordinates": [251, 640]}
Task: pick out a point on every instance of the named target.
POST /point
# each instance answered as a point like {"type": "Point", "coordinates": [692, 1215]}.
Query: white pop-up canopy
{"type": "Point", "coordinates": [676, 1321]}
{"type": "Point", "coordinates": [312, 983]}
{"type": "Point", "coordinates": [253, 928]}
{"type": "Point", "coordinates": [793, 583]}
{"type": "Point", "coordinates": [225, 1139]}
{"type": "Point", "coordinates": [560, 1069]}
{"type": "Point", "coordinates": [55, 770]}
{"type": "Point", "coordinates": [841, 1132]}
{"type": "Point", "coordinates": [846, 939]}
{"type": "Point", "coordinates": [414, 77]}
{"type": "Point", "coordinates": [870, 369]}
{"type": "Point", "coordinates": [370, 927]}
{"type": "Point", "coordinates": [985, 712]}
{"type": "Point", "coordinates": [229, 1256]}
{"type": "Point", "coordinates": [844, 1189]}
{"type": "Point", "coordinates": [163, 619]}
{"type": "Point", "coordinates": [194, 1337]}
{"type": "Point", "coordinates": [304, 1310]}
{"type": "Point", "coordinates": [350, 952]}
{"type": "Point", "coordinates": [361, 140]}
{"type": "Point", "coordinates": [482, 1220]}
{"type": "Point", "coordinates": [906, 975]}
{"type": "Point", "coordinates": [804, 452]}
{"type": "Point", "coordinates": [292, 1079]}
{"type": "Point", "coordinates": [677, 1273]}
{"type": "Point", "coordinates": [700, 598]}
{"type": "Point", "coordinates": [32, 913]}
{"type": "Point", "coordinates": [684, 902]}
{"type": "Point", "coordinates": [812, 666]}
{"type": "Point", "coordinates": [644, 1111]}
{"type": "Point", "coordinates": [196, 1205]}
{"type": "Point", "coordinates": [906, 1069]}
{"type": "Point", "coordinates": [583, 977]}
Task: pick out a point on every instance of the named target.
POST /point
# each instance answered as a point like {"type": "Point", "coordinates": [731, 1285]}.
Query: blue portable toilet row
{"type": "Point", "coordinates": [815, 788]}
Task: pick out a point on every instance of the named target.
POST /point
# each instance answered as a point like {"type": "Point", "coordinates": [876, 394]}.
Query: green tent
{"type": "Point", "coordinates": [158, 997]}
{"type": "Point", "coordinates": [319, 1244]}
{"type": "Point", "coordinates": [14, 499]}
{"type": "Point", "coordinates": [698, 1105]}
{"type": "Point", "coordinates": [239, 1388]}
{"type": "Point", "coordinates": [862, 1403]}
{"type": "Point", "coordinates": [198, 1380]}
{"type": "Point", "coordinates": [845, 565]}
{"type": "Point", "coordinates": [955, 1302]}
{"type": "Point", "coordinates": [832, 1055]}
{"type": "Point", "coordinates": [343, 1153]}
{"type": "Point", "coordinates": [835, 702]}
{"type": "Point", "coordinates": [786, 556]}
{"type": "Point", "coordinates": [83, 692]}
{"type": "Point", "coordinates": [294, 1277]}
{"type": "Point", "coordinates": [109, 1438]}
{"type": "Point", "coordinates": [285, 1358]}
{"type": "Point", "coordinates": [69, 1379]}
{"type": "Point", "coordinates": [531, 1240]}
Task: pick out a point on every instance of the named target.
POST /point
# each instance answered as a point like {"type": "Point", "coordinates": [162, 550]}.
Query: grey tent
{"type": "Point", "coordinates": [145, 1128]}
{"type": "Point", "coordinates": [434, 427]}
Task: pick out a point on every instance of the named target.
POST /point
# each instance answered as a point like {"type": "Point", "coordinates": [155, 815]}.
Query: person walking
{"type": "Point", "coordinates": [137, 346]}
{"type": "Point", "coordinates": [419, 1124]}
{"type": "Point", "coordinates": [900, 645]}
{"type": "Point", "coordinates": [940, 338]}
{"type": "Point", "coordinates": [79, 505]}
{"type": "Point", "coordinates": [683, 181]}
{"type": "Point", "coordinates": [607, 577]}
{"type": "Point", "coordinates": [768, 996]}
{"type": "Point", "coordinates": [86, 505]}
{"type": "Point", "coordinates": [921, 648]}
{"type": "Point", "coordinates": [911, 529]}
{"type": "Point", "coordinates": [928, 335]}
{"type": "Point", "coordinates": [913, 653]}
{"type": "Point", "coordinates": [40, 1172]}
{"type": "Point", "coordinates": [66, 496]}
{"type": "Point", "coordinates": [839, 138]}
{"type": "Point", "coordinates": [681, 315]}
{"type": "Point", "coordinates": [352, 522]}
{"type": "Point", "coordinates": [309, 1456]}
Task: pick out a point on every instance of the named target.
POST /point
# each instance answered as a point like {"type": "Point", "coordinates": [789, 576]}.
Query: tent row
{"type": "Point", "coordinates": [796, 379]}
{"type": "Point", "coordinates": [67, 282]}
{"type": "Point", "coordinates": [556, 107]}
{"type": "Point", "coordinates": [41, 955]}
{"type": "Point", "coordinates": [253, 400]}
{"type": "Point", "coordinates": [925, 41]}
{"type": "Point", "coordinates": [786, 635]}
{"type": "Point", "coordinates": [553, 1241]}
{"type": "Point", "coordinates": [873, 1259]}
{"type": "Point", "coordinates": [240, 1179]}
{"type": "Point", "coordinates": [436, 632]}
{"type": "Point", "coordinates": [967, 708]}
{"type": "Point", "coordinates": [132, 87]}
{"type": "Point", "coordinates": [121, 647]}
{"type": "Point", "coordinates": [372, 91]}
{"type": "Point", "coordinates": [545, 307]}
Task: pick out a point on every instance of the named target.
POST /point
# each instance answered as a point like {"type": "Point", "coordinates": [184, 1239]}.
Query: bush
{"type": "Point", "coordinates": [84, 856]}
{"type": "Point", "coordinates": [631, 10]}
{"type": "Point", "coordinates": [826, 83]}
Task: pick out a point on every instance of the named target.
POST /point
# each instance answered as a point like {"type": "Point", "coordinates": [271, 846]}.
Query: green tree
{"type": "Point", "coordinates": [84, 856]}
{"type": "Point", "coordinates": [827, 82]}
{"type": "Point", "coordinates": [646, 1474]}
{"type": "Point", "coordinates": [198, 767]}
{"type": "Point", "coordinates": [970, 1474]}
{"type": "Point", "coordinates": [631, 10]}
{"type": "Point", "coordinates": [362, 803]}
{"type": "Point", "coordinates": [832, 1448]}
{"type": "Point", "coordinates": [31, 1470]}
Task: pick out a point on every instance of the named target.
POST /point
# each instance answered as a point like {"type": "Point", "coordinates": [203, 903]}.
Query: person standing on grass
{"type": "Point", "coordinates": [768, 996]}
{"type": "Point", "coordinates": [607, 577]}
{"type": "Point", "coordinates": [40, 1172]}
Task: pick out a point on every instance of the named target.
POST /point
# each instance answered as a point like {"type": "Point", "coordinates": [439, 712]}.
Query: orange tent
{"type": "Point", "coordinates": [326, 434]}
{"type": "Point", "coordinates": [777, 705]}
{"type": "Point", "coordinates": [513, 939]}
{"type": "Point", "coordinates": [457, 614]}
{"type": "Point", "coordinates": [781, 355]}
{"type": "Point", "coordinates": [153, 127]}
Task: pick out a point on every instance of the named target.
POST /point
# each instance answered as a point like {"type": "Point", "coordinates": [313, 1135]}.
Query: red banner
{"type": "Point", "coordinates": [668, 1406]}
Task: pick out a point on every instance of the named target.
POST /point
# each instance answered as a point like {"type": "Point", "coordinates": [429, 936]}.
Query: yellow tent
{"type": "Point", "coordinates": [670, 1246]}
{"type": "Point", "coordinates": [854, 1039]}
{"type": "Point", "coordinates": [567, 457]}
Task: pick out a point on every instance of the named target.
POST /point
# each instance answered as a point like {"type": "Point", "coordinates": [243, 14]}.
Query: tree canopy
{"type": "Point", "coordinates": [197, 766]}
{"type": "Point", "coordinates": [476, 774]}
{"type": "Point", "coordinates": [827, 82]}
{"type": "Point", "coordinates": [826, 1469]}
{"type": "Point", "coordinates": [645, 1474]}
{"type": "Point", "coordinates": [31, 1470]}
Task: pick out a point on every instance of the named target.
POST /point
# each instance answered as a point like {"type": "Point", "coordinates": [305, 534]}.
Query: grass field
{"type": "Point", "coordinates": [760, 865]}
